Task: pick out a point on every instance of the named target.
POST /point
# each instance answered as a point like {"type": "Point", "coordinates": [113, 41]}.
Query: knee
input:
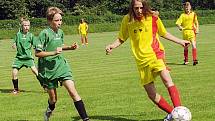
{"type": "Point", "coordinates": [53, 100]}
{"type": "Point", "coordinates": [152, 96]}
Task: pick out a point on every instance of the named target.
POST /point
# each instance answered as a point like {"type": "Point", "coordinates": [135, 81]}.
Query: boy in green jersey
{"type": "Point", "coordinates": [52, 66]}
{"type": "Point", "coordinates": [23, 42]}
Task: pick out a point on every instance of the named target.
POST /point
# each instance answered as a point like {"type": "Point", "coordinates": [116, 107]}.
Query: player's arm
{"type": "Point", "coordinates": [115, 44]}
{"type": "Point", "coordinates": [86, 27]}
{"type": "Point", "coordinates": [179, 22]}
{"type": "Point", "coordinates": [172, 38]}
{"type": "Point", "coordinates": [71, 47]}
{"type": "Point", "coordinates": [180, 27]}
{"type": "Point", "coordinates": [40, 54]}
{"type": "Point", "coordinates": [14, 42]}
{"type": "Point", "coordinates": [197, 25]}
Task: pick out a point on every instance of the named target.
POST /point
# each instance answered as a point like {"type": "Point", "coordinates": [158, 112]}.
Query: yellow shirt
{"type": "Point", "coordinates": [144, 38]}
{"type": "Point", "coordinates": [187, 21]}
{"type": "Point", "coordinates": [83, 28]}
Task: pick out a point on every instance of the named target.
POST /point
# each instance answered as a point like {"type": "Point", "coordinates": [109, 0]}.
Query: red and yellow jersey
{"type": "Point", "coordinates": [83, 28]}
{"type": "Point", "coordinates": [187, 21]}
{"type": "Point", "coordinates": [144, 38]}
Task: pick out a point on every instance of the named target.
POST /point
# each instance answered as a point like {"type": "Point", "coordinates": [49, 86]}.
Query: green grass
{"type": "Point", "coordinates": [109, 85]}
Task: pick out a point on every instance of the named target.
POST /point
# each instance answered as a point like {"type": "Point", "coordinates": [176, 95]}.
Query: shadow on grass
{"type": "Point", "coordinates": [21, 91]}
{"type": "Point", "coordinates": [169, 63]}
{"type": "Point", "coordinates": [112, 118]}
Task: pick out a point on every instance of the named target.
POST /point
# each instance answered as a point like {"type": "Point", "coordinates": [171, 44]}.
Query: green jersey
{"type": "Point", "coordinates": [24, 42]}
{"type": "Point", "coordinates": [52, 67]}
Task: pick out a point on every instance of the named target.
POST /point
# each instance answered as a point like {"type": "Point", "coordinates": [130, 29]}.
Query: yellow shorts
{"type": "Point", "coordinates": [149, 73]}
{"type": "Point", "coordinates": [83, 34]}
{"type": "Point", "coordinates": [189, 35]}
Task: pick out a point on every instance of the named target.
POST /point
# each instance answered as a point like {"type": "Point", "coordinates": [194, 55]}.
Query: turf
{"type": "Point", "coordinates": [109, 85]}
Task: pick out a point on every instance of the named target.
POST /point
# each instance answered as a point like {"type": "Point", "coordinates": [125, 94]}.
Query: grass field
{"type": "Point", "coordinates": [109, 85]}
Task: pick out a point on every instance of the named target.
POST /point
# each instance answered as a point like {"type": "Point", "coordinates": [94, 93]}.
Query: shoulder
{"type": "Point", "coordinates": [154, 16]}
{"type": "Point", "coordinates": [43, 32]}
{"type": "Point", "coordinates": [31, 34]}
{"type": "Point", "coordinates": [194, 13]}
{"type": "Point", "coordinates": [126, 18]}
{"type": "Point", "coordinates": [60, 31]}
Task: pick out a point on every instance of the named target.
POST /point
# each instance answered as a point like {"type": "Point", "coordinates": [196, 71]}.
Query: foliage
{"type": "Point", "coordinates": [12, 9]}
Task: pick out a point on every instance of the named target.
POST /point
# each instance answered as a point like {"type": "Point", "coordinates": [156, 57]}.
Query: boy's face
{"type": "Point", "coordinates": [25, 26]}
{"type": "Point", "coordinates": [56, 22]}
{"type": "Point", "coordinates": [138, 9]}
{"type": "Point", "coordinates": [187, 7]}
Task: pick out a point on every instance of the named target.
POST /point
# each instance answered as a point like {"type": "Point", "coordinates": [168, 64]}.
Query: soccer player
{"type": "Point", "coordinates": [52, 66]}
{"type": "Point", "coordinates": [188, 24]}
{"type": "Point", "coordinates": [83, 29]}
{"type": "Point", "coordinates": [144, 29]}
{"type": "Point", "coordinates": [23, 42]}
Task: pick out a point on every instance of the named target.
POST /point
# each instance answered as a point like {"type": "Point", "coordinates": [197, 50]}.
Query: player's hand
{"type": "Point", "coordinates": [197, 31]}
{"type": "Point", "coordinates": [59, 50]}
{"type": "Point", "coordinates": [181, 28]}
{"type": "Point", "coordinates": [185, 43]}
{"type": "Point", "coordinates": [14, 46]}
{"type": "Point", "coordinates": [74, 46]}
{"type": "Point", "coordinates": [108, 49]}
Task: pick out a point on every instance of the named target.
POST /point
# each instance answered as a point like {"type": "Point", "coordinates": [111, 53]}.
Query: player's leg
{"type": "Point", "coordinates": [79, 104]}
{"type": "Point", "coordinates": [185, 37]}
{"type": "Point", "coordinates": [35, 72]}
{"type": "Point", "coordinates": [51, 103]}
{"type": "Point", "coordinates": [15, 80]}
{"type": "Point", "coordinates": [173, 91]}
{"type": "Point", "coordinates": [156, 98]}
{"type": "Point", "coordinates": [186, 55]}
{"type": "Point", "coordinates": [86, 39]}
{"type": "Point", "coordinates": [194, 52]}
{"type": "Point", "coordinates": [82, 39]}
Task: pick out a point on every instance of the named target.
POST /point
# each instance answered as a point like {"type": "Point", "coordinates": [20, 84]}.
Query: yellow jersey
{"type": "Point", "coordinates": [187, 21]}
{"type": "Point", "coordinates": [83, 28]}
{"type": "Point", "coordinates": [144, 38]}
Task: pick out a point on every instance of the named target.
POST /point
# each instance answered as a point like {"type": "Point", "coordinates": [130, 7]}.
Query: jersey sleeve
{"type": "Point", "coordinates": [34, 41]}
{"type": "Point", "coordinates": [123, 33]}
{"type": "Point", "coordinates": [40, 43]}
{"type": "Point", "coordinates": [179, 20]}
{"type": "Point", "coordinates": [195, 18]}
{"type": "Point", "coordinates": [161, 29]}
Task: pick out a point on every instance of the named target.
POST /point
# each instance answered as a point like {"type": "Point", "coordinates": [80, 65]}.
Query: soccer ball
{"type": "Point", "coordinates": [181, 113]}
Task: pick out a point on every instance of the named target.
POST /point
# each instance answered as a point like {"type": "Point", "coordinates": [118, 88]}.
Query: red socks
{"type": "Point", "coordinates": [186, 55]}
{"type": "Point", "coordinates": [174, 94]}
{"type": "Point", "coordinates": [162, 104]}
{"type": "Point", "coordinates": [194, 52]}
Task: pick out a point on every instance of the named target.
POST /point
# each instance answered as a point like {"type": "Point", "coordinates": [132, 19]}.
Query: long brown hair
{"type": "Point", "coordinates": [146, 9]}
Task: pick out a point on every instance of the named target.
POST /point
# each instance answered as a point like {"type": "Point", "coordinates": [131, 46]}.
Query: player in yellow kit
{"type": "Point", "coordinates": [83, 29]}
{"type": "Point", "coordinates": [144, 29]}
{"type": "Point", "coordinates": [188, 24]}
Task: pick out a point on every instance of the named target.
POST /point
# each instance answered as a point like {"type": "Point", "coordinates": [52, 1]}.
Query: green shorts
{"type": "Point", "coordinates": [52, 84]}
{"type": "Point", "coordinates": [19, 63]}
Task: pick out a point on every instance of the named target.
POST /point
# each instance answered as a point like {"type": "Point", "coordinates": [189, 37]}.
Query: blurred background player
{"type": "Point", "coordinates": [83, 31]}
{"type": "Point", "coordinates": [23, 42]}
{"type": "Point", "coordinates": [144, 28]}
{"type": "Point", "coordinates": [52, 66]}
{"type": "Point", "coordinates": [188, 24]}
